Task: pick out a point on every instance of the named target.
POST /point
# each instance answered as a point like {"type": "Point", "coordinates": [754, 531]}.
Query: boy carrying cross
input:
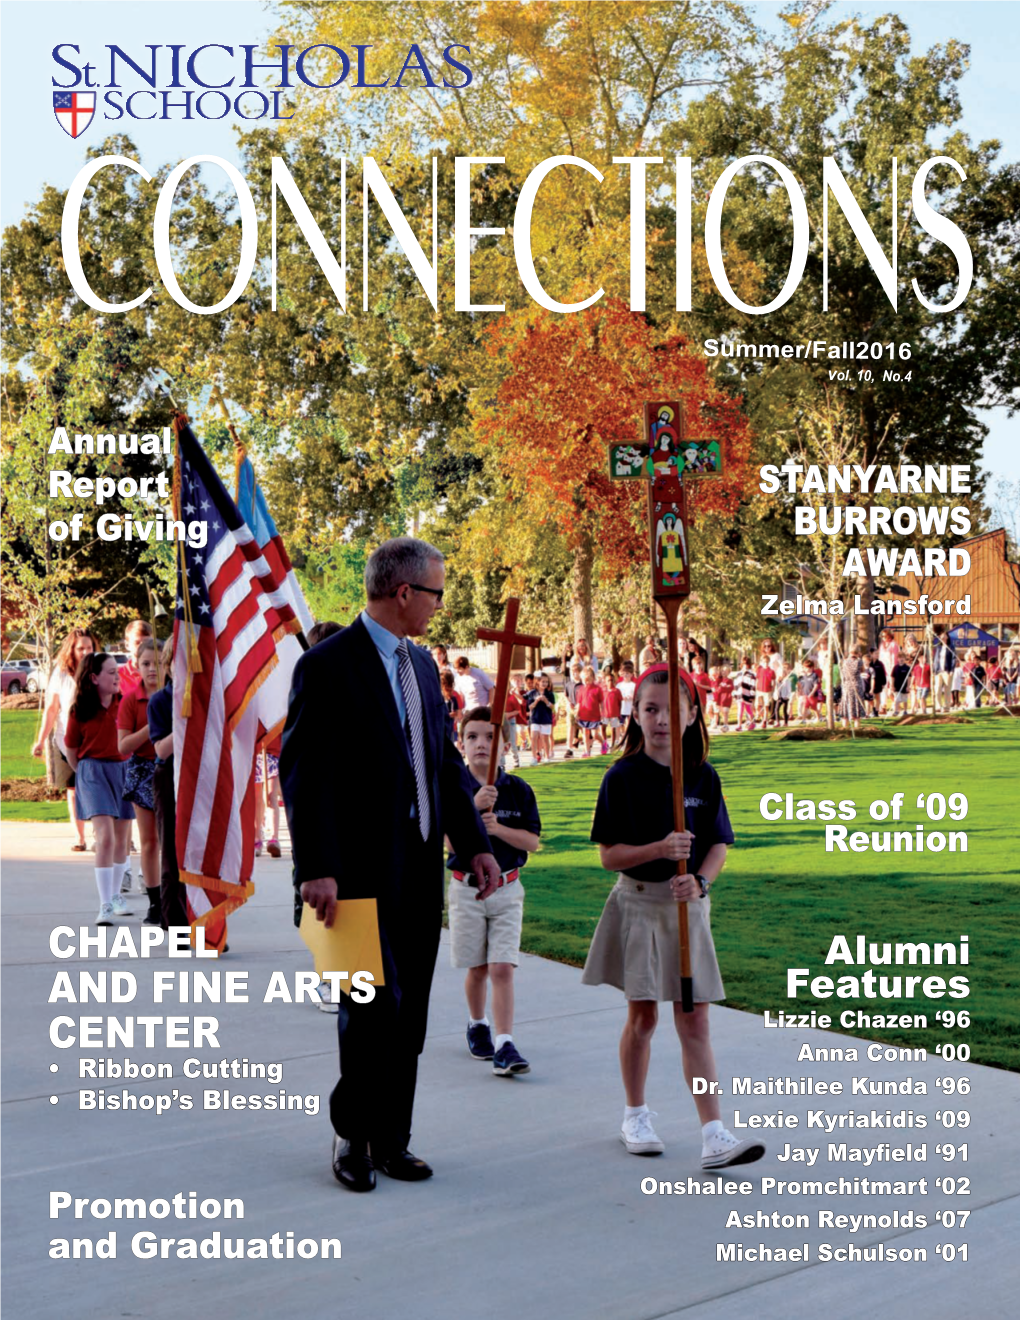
{"type": "Point", "coordinates": [485, 936]}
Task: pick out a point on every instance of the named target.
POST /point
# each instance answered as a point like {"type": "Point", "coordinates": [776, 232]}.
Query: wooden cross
{"type": "Point", "coordinates": [506, 638]}
{"type": "Point", "coordinates": [667, 454]}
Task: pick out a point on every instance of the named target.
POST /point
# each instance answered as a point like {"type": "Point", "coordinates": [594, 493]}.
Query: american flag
{"type": "Point", "coordinates": [235, 650]}
{"type": "Point", "coordinates": [255, 511]}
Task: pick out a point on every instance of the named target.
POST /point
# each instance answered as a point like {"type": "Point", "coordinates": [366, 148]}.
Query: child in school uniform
{"type": "Point", "coordinates": [590, 698]}
{"type": "Point", "coordinates": [542, 717]}
{"type": "Point", "coordinates": [784, 695]}
{"type": "Point", "coordinates": [744, 686]}
{"type": "Point", "coordinates": [635, 944]}
{"type": "Point", "coordinates": [723, 697]}
{"type": "Point", "coordinates": [133, 739]}
{"type": "Point", "coordinates": [523, 711]}
{"type": "Point", "coordinates": [901, 686]}
{"type": "Point", "coordinates": [808, 692]}
{"type": "Point", "coordinates": [485, 935]}
{"type": "Point", "coordinates": [514, 709]}
{"type": "Point", "coordinates": [626, 687]}
{"type": "Point", "coordinates": [920, 683]}
{"type": "Point", "coordinates": [612, 706]}
{"type": "Point", "coordinates": [452, 701]}
{"type": "Point", "coordinates": [705, 684]}
{"type": "Point", "coordinates": [765, 686]}
{"type": "Point", "coordinates": [99, 767]}
{"type": "Point", "coordinates": [160, 712]}
{"type": "Point", "coordinates": [267, 766]}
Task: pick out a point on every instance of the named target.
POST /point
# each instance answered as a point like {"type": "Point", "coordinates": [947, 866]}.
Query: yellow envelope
{"type": "Point", "coordinates": [351, 944]}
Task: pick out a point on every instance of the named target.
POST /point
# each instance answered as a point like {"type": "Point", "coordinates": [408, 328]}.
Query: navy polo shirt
{"type": "Point", "coordinates": [635, 806]}
{"type": "Point", "coordinates": [160, 712]}
{"type": "Point", "coordinates": [515, 808]}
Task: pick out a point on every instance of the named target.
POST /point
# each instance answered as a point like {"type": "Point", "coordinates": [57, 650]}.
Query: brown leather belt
{"type": "Point", "coordinates": [506, 877]}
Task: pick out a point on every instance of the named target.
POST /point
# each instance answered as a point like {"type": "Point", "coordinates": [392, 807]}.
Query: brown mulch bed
{"type": "Point", "coordinates": [825, 735]}
{"type": "Point", "coordinates": [29, 790]}
{"type": "Point", "coordinates": [22, 701]}
{"type": "Point", "coordinates": [1011, 711]}
{"type": "Point", "coordinates": [931, 719]}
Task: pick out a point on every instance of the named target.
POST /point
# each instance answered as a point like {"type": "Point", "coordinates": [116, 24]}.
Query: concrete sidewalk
{"type": "Point", "coordinates": [535, 1207]}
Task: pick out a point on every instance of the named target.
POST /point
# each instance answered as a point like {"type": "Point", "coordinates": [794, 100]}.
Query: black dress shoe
{"type": "Point", "coordinates": [403, 1166]}
{"type": "Point", "coordinates": [352, 1165]}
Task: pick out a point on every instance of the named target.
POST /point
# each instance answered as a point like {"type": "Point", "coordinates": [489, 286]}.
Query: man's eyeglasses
{"type": "Point", "coordinates": [433, 591]}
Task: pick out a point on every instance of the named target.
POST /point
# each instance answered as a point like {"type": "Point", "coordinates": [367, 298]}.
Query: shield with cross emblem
{"type": "Point", "coordinates": [74, 111]}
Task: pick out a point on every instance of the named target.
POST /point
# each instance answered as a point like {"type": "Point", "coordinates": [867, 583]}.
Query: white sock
{"type": "Point", "coordinates": [478, 1022]}
{"type": "Point", "coordinates": [713, 1129]}
{"type": "Point", "coordinates": [631, 1111]}
{"type": "Point", "coordinates": [119, 869]}
{"type": "Point", "coordinates": [105, 882]}
{"type": "Point", "coordinates": [503, 1039]}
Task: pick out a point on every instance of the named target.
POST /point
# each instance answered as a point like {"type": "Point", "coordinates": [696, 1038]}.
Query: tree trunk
{"type": "Point", "coordinates": [830, 707]}
{"type": "Point", "coordinates": [580, 590]}
{"type": "Point", "coordinates": [865, 622]}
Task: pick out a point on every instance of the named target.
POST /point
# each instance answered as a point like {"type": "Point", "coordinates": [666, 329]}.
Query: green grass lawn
{"type": "Point", "coordinates": [782, 898]}
{"type": "Point", "coordinates": [18, 730]}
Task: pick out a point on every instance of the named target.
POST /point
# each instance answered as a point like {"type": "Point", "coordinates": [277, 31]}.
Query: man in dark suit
{"type": "Point", "coordinates": [372, 827]}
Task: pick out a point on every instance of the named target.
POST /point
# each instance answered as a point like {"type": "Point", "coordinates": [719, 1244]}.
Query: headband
{"type": "Point", "coordinates": [662, 668]}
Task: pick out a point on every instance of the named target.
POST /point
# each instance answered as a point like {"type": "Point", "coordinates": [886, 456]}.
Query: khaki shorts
{"type": "Point", "coordinates": [486, 931]}
{"type": "Point", "coordinates": [63, 775]}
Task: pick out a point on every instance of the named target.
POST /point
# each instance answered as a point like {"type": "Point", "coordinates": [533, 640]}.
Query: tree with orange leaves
{"type": "Point", "coordinates": [572, 386]}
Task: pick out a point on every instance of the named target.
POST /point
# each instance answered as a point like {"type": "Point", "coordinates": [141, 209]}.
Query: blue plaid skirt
{"type": "Point", "coordinates": [138, 782]}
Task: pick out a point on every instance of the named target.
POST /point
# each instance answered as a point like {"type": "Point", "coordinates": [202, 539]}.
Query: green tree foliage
{"type": "Point", "coordinates": [859, 94]}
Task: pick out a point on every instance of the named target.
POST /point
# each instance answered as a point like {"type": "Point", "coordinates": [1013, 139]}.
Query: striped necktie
{"type": "Point", "coordinates": [415, 734]}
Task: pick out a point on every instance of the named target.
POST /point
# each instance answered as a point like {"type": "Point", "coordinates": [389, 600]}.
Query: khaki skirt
{"type": "Point", "coordinates": [636, 945]}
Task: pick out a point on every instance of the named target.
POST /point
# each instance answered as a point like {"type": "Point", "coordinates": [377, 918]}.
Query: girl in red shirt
{"type": "Point", "coordinates": [133, 737]}
{"type": "Point", "coordinates": [513, 713]}
{"type": "Point", "coordinates": [705, 684]}
{"type": "Point", "coordinates": [137, 632]}
{"type": "Point", "coordinates": [612, 705]}
{"type": "Point", "coordinates": [94, 755]}
{"type": "Point", "coordinates": [590, 698]}
{"type": "Point", "coordinates": [765, 684]}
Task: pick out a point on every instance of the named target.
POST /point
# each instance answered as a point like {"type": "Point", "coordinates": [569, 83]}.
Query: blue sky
{"type": "Point", "coordinates": [35, 152]}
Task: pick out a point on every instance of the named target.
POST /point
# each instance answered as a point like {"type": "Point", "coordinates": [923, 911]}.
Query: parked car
{"type": "Point", "coordinates": [13, 679]}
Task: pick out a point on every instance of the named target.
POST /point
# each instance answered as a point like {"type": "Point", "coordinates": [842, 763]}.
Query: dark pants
{"type": "Point", "coordinates": [171, 891]}
{"type": "Point", "coordinates": [781, 710]}
{"type": "Point", "coordinates": [380, 1041]}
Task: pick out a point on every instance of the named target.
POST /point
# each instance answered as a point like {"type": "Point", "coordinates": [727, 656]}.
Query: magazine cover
{"type": "Point", "coordinates": [510, 568]}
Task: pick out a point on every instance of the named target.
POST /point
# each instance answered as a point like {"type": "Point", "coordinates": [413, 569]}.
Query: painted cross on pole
{"type": "Point", "coordinates": [666, 455]}
{"type": "Point", "coordinates": [506, 638]}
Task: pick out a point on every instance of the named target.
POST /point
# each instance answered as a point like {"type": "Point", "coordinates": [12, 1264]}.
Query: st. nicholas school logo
{"type": "Point", "coordinates": [214, 81]}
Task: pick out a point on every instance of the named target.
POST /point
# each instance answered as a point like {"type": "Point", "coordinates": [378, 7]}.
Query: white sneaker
{"type": "Point", "coordinates": [723, 1148]}
{"type": "Point", "coordinates": [117, 906]}
{"type": "Point", "coordinates": [125, 884]}
{"type": "Point", "coordinates": [638, 1135]}
{"type": "Point", "coordinates": [105, 917]}
{"type": "Point", "coordinates": [325, 999]}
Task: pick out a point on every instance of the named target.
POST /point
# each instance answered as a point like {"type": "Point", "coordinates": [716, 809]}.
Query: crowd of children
{"type": "Point", "coordinates": [115, 738]}
{"type": "Point", "coordinates": [591, 711]}
{"type": "Point", "coordinates": [111, 725]}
